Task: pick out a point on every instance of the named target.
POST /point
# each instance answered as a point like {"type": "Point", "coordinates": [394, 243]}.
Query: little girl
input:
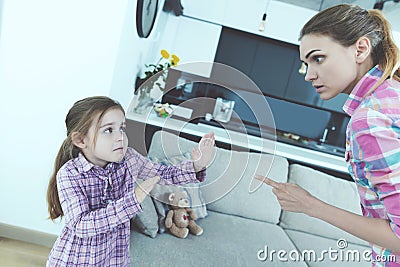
{"type": "Point", "coordinates": [93, 184]}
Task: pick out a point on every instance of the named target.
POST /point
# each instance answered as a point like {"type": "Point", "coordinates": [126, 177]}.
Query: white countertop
{"type": "Point", "coordinates": [296, 153]}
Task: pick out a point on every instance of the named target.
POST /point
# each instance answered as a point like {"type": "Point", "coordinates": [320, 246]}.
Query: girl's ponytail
{"type": "Point", "coordinates": [64, 154]}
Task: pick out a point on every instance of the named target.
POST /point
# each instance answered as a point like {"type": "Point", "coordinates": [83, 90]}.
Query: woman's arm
{"type": "Point", "coordinates": [373, 230]}
{"type": "Point", "coordinates": [294, 198]}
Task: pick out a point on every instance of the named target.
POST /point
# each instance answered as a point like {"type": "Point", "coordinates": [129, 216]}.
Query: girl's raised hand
{"type": "Point", "coordinates": [290, 196]}
{"type": "Point", "coordinates": [143, 189]}
{"type": "Point", "coordinates": [203, 155]}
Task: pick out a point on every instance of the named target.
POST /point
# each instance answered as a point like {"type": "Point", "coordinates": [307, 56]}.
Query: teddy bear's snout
{"type": "Point", "coordinates": [183, 203]}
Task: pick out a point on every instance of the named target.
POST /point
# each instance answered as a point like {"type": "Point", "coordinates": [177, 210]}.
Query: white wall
{"type": "Point", "coordinates": [134, 52]}
{"type": "Point", "coordinates": [52, 53]}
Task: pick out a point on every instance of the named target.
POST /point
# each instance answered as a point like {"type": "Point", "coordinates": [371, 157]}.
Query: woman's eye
{"type": "Point", "coordinates": [123, 129]}
{"type": "Point", "coordinates": [319, 59]}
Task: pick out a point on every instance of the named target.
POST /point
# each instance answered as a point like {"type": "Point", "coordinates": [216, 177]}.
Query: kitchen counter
{"type": "Point", "coordinates": [316, 155]}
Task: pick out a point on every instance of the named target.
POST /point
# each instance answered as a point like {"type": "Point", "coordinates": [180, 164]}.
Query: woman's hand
{"type": "Point", "coordinates": [291, 197]}
{"type": "Point", "coordinates": [143, 189]}
{"type": "Point", "coordinates": [203, 155]}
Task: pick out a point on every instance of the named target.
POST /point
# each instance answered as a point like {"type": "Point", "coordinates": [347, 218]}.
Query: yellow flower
{"type": "Point", "coordinates": [164, 54]}
{"type": "Point", "coordinates": [175, 59]}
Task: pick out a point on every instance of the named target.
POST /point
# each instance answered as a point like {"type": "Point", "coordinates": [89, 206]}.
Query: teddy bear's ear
{"type": "Point", "coordinates": [171, 197]}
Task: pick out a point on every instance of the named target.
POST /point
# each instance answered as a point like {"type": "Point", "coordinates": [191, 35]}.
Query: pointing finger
{"type": "Point", "coordinates": [268, 181]}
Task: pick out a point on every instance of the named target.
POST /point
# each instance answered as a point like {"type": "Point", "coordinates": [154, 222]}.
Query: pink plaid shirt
{"type": "Point", "coordinates": [373, 154]}
{"type": "Point", "coordinates": [98, 205]}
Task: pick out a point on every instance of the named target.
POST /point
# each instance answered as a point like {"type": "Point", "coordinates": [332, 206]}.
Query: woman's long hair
{"type": "Point", "coordinates": [79, 119]}
{"type": "Point", "coordinates": [347, 23]}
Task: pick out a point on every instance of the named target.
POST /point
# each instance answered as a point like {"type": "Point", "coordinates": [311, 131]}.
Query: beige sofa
{"type": "Point", "coordinates": [248, 229]}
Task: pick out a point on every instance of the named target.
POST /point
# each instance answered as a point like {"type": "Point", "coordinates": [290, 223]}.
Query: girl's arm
{"type": "Point", "coordinates": [143, 168]}
{"type": "Point", "coordinates": [293, 198]}
{"type": "Point", "coordinates": [203, 155]}
{"type": "Point", "coordinates": [86, 222]}
{"type": "Point", "coordinates": [185, 172]}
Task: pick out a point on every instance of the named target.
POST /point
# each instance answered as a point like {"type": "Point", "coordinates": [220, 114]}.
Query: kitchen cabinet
{"type": "Point", "coordinates": [246, 16]}
{"type": "Point", "coordinates": [267, 62]}
{"type": "Point", "coordinates": [199, 45]}
{"type": "Point", "coordinates": [336, 103]}
{"type": "Point", "coordinates": [272, 67]}
{"type": "Point", "coordinates": [206, 10]}
{"type": "Point", "coordinates": [237, 49]}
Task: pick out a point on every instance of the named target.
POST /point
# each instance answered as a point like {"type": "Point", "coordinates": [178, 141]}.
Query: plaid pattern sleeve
{"type": "Point", "coordinates": [144, 168]}
{"type": "Point", "coordinates": [373, 153]}
{"type": "Point", "coordinates": [376, 159]}
{"type": "Point", "coordinates": [84, 221]}
{"type": "Point", "coordinates": [97, 204]}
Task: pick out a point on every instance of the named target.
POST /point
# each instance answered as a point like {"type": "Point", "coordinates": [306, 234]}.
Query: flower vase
{"type": "Point", "coordinates": [144, 99]}
{"type": "Point", "coordinates": [149, 90]}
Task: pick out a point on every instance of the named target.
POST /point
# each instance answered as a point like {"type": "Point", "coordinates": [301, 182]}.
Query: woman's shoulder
{"type": "Point", "coordinates": [384, 100]}
{"type": "Point", "coordinates": [389, 89]}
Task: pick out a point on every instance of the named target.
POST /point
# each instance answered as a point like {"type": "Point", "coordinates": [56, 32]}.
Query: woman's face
{"type": "Point", "coordinates": [331, 67]}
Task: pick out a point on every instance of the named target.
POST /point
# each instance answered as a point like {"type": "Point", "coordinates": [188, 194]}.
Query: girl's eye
{"type": "Point", "coordinates": [108, 130]}
{"type": "Point", "coordinates": [123, 129]}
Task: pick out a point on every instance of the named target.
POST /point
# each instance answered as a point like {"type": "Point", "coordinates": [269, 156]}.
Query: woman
{"type": "Point", "coordinates": [350, 50]}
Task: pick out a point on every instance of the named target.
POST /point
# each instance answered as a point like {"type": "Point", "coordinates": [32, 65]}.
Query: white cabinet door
{"type": "Point", "coordinates": [208, 10]}
{"type": "Point", "coordinates": [190, 39]}
{"type": "Point", "coordinates": [283, 23]}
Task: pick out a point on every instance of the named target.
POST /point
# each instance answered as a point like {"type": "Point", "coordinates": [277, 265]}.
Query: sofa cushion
{"type": "Point", "coordinates": [243, 166]}
{"type": "Point", "coordinates": [335, 191]}
{"type": "Point", "coordinates": [226, 188]}
{"type": "Point", "coordinates": [226, 241]}
{"type": "Point", "coordinates": [349, 254]}
{"type": "Point", "coordinates": [147, 221]}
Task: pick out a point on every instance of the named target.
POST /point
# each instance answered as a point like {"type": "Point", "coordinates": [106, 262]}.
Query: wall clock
{"type": "Point", "coordinates": [146, 12]}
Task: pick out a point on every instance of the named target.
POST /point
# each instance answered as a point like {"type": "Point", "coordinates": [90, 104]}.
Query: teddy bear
{"type": "Point", "coordinates": [180, 218]}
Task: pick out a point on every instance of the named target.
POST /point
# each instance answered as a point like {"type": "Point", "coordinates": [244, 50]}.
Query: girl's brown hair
{"type": "Point", "coordinates": [347, 23]}
{"type": "Point", "coordinates": [79, 119]}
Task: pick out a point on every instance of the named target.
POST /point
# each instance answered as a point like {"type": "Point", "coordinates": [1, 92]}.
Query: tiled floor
{"type": "Point", "coordinates": [15, 253]}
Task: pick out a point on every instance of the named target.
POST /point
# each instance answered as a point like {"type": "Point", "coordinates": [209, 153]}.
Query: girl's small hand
{"type": "Point", "coordinates": [291, 197]}
{"type": "Point", "coordinates": [203, 155]}
{"type": "Point", "coordinates": [143, 189]}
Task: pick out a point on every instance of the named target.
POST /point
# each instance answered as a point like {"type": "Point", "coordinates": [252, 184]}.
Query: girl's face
{"type": "Point", "coordinates": [111, 140]}
{"type": "Point", "coordinates": [331, 67]}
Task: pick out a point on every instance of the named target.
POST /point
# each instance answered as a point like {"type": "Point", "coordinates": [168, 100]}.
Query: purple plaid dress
{"type": "Point", "coordinates": [98, 205]}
